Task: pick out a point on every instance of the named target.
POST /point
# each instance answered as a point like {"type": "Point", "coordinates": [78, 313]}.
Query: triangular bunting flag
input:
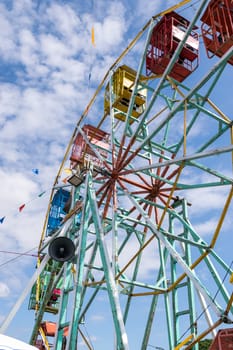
{"type": "Point", "coordinates": [2, 219]}
{"type": "Point", "coordinates": [65, 180]}
{"type": "Point", "coordinates": [21, 207]}
{"type": "Point", "coordinates": [68, 171]}
{"type": "Point", "coordinates": [93, 36]}
{"type": "Point", "coordinates": [41, 194]}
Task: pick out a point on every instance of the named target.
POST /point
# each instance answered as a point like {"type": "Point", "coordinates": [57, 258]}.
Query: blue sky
{"type": "Point", "coordinates": [49, 70]}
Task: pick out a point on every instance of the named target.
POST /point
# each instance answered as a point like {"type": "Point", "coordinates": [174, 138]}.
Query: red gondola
{"type": "Point", "coordinates": [165, 38]}
{"type": "Point", "coordinates": [223, 340]}
{"type": "Point", "coordinates": [217, 28]}
{"type": "Point", "coordinates": [82, 152]}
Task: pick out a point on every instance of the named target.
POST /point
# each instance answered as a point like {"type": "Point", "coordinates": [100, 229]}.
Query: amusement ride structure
{"type": "Point", "coordinates": [127, 202]}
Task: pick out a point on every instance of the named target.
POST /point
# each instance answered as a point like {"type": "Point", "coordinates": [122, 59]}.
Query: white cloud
{"type": "Point", "coordinates": [63, 20]}
{"type": "Point", "coordinates": [146, 12]}
{"type": "Point", "coordinates": [7, 44]}
{"type": "Point", "coordinates": [110, 31]}
{"type": "Point", "coordinates": [53, 50]}
{"type": "Point", "coordinates": [18, 184]}
{"type": "Point", "coordinates": [206, 227]}
{"type": "Point", "coordinates": [97, 318]}
{"type": "Point", "coordinates": [206, 199]}
{"type": "Point", "coordinates": [4, 290]}
{"type": "Point", "coordinates": [108, 34]}
{"type": "Point", "coordinates": [10, 97]}
{"type": "Point", "coordinates": [28, 47]}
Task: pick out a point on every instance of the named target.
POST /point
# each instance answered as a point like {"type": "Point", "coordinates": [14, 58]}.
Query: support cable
{"type": "Point", "coordinates": [19, 255]}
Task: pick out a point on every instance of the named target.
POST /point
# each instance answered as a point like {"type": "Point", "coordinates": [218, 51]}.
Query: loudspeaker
{"type": "Point", "coordinates": [61, 249]}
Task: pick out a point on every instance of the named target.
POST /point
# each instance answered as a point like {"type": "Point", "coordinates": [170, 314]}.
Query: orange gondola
{"type": "Point", "coordinates": [50, 328]}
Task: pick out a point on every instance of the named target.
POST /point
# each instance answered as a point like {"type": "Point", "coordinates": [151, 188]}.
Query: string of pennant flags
{"type": "Point", "coordinates": [22, 206]}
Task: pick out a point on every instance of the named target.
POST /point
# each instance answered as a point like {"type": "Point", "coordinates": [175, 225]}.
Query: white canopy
{"type": "Point", "coordinates": [9, 343]}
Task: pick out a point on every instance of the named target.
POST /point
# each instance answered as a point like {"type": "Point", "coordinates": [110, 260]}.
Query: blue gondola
{"type": "Point", "coordinates": [57, 210]}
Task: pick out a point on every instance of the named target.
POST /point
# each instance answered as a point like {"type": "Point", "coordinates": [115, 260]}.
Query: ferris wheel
{"type": "Point", "coordinates": [123, 236]}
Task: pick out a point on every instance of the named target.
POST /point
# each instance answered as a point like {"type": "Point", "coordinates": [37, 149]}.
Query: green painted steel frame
{"type": "Point", "coordinates": [127, 169]}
